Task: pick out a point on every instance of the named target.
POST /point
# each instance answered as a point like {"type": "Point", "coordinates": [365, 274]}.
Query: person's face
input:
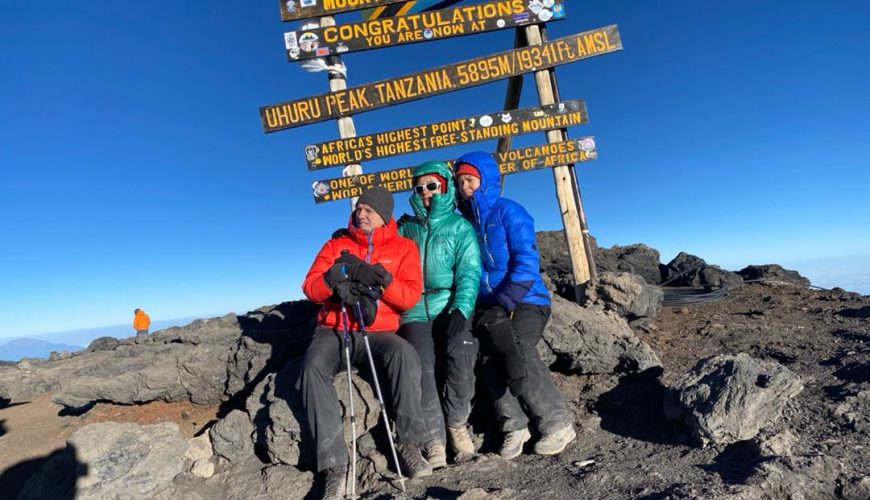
{"type": "Point", "coordinates": [422, 185]}
{"type": "Point", "coordinates": [367, 220]}
{"type": "Point", "coordinates": [467, 185]}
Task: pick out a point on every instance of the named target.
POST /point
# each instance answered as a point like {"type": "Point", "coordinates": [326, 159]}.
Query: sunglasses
{"type": "Point", "coordinates": [429, 186]}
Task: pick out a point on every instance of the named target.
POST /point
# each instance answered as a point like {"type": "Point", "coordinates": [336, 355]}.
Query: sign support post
{"type": "Point", "coordinates": [346, 128]}
{"type": "Point", "coordinates": [569, 202]}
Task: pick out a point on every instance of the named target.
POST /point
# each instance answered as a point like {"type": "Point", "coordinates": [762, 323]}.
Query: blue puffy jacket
{"type": "Point", "coordinates": [506, 234]}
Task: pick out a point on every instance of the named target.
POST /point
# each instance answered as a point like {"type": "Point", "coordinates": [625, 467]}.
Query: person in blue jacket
{"type": "Point", "coordinates": [513, 307]}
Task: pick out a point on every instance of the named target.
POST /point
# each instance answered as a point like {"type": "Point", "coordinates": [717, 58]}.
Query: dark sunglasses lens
{"type": "Point", "coordinates": [432, 186]}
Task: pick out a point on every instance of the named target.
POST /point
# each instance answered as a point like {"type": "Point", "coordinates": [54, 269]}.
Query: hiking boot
{"type": "Point", "coordinates": [460, 440]}
{"type": "Point", "coordinates": [435, 454]}
{"type": "Point", "coordinates": [513, 443]}
{"type": "Point", "coordinates": [335, 483]}
{"type": "Point", "coordinates": [413, 463]}
{"type": "Point", "coordinates": [555, 442]}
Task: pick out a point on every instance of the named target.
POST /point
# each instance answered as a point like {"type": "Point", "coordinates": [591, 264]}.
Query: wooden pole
{"type": "Point", "coordinates": [584, 227]}
{"type": "Point", "coordinates": [346, 127]}
{"type": "Point", "coordinates": [513, 93]}
{"type": "Point", "coordinates": [580, 265]}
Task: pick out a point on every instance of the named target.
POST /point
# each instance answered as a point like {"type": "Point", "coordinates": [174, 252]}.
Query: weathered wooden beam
{"type": "Point", "coordinates": [562, 176]}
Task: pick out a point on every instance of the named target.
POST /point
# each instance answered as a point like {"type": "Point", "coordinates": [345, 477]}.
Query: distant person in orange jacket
{"type": "Point", "coordinates": [141, 322]}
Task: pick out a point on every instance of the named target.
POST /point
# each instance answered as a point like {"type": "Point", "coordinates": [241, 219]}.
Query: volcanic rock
{"type": "Point", "coordinates": [112, 460]}
{"type": "Point", "coordinates": [728, 398]}
{"type": "Point", "coordinates": [686, 270]}
{"type": "Point", "coordinates": [588, 341]}
{"type": "Point", "coordinates": [772, 272]}
{"type": "Point", "coordinates": [626, 294]}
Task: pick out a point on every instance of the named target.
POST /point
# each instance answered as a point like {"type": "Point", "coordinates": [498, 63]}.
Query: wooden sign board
{"type": "Point", "coordinates": [444, 134]}
{"type": "Point", "coordinates": [292, 10]}
{"type": "Point", "coordinates": [421, 27]}
{"type": "Point", "coordinates": [403, 9]}
{"type": "Point", "coordinates": [440, 80]}
{"type": "Point", "coordinates": [509, 162]}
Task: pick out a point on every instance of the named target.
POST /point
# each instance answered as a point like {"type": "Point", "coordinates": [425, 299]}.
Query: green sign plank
{"type": "Point", "coordinates": [424, 26]}
{"type": "Point", "coordinates": [292, 10]}
{"type": "Point", "coordinates": [509, 162]}
{"type": "Point", "coordinates": [444, 134]}
{"type": "Point", "coordinates": [440, 80]}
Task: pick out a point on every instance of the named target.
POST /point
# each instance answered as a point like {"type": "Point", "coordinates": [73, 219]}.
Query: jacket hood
{"type": "Point", "coordinates": [442, 204]}
{"type": "Point", "coordinates": [490, 182]}
{"type": "Point", "coordinates": [381, 235]}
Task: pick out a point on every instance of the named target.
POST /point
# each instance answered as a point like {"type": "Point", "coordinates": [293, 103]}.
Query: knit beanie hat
{"type": "Point", "coordinates": [380, 200]}
{"type": "Point", "coordinates": [467, 169]}
{"type": "Point", "coordinates": [438, 177]}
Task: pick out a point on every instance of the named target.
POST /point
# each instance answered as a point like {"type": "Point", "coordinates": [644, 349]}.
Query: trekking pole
{"type": "Point", "coordinates": [365, 335]}
{"type": "Point", "coordinates": [344, 323]}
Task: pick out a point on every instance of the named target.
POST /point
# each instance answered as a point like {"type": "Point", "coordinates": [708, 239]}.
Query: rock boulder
{"type": "Point", "coordinates": [727, 398]}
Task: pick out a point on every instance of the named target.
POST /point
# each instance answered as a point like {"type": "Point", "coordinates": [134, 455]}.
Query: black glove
{"type": "Point", "coordinates": [368, 303]}
{"type": "Point", "coordinates": [344, 267]}
{"type": "Point", "coordinates": [456, 323]}
{"type": "Point", "coordinates": [372, 276]}
{"type": "Point", "coordinates": [351, 263]}
{"type": "Point", "coordinates": [346, 293]}
{"type": "Point", "coordinates": [499, 329]}
{"type": "Point", "coordinates": [334, 276]}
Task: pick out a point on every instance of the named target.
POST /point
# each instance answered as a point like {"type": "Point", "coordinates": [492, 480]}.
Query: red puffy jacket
{"type": "Point", "coordinates": [397, 254]}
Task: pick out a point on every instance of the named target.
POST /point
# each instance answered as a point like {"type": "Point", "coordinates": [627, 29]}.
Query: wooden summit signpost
{"type": "Point", "coordinates": [421, 21]}
{"type": "Point", "coordinates": [308, 43]}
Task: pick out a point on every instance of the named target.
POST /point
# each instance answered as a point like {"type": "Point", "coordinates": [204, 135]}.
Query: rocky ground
{"type": "Point", "coordinates": [764, 393]}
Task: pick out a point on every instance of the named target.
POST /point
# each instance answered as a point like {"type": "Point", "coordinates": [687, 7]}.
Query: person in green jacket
{"type": "Point", "coordinates": [438, 325]}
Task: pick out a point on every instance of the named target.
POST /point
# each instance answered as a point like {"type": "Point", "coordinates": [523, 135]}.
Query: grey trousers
{"type": "Point", "coordinates": [539, 394]}
{"type": "Point", "coordinates": [399, 376]}
{"type": "Point", "coordinates": [447, 381]}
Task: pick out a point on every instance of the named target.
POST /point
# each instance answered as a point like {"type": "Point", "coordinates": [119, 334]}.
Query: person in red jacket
{"type": "Point", "coordinates": [371, 263]}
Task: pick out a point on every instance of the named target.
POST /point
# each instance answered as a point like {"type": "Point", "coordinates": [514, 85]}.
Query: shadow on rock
{"type": "Point", "coordinates": [76, 411]}
{"type": "Point", "coordinates": [851, 336]}
{"type": "Point", "coordinates": [858, 371]}
{"type": "Point", "coordinates": [271, 337]}
{"type": "Point", "coordinates": [52, 476]}
{"type": "Point", "coordinates": [861, 312]}
{"type": "Point", "coordinates": [736, 463]}
{"type": "Point", "coordinates": [270, 434]}
{"type": "Point", "coordinates": [2, 428]}
{"type": "Point", "coordinates": [634, 409]}
{"type": "Point", "coordinates": [443, 493]}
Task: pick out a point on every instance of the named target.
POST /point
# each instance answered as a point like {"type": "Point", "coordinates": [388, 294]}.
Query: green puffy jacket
{"type": "Point", "coordinates": [449, 252]}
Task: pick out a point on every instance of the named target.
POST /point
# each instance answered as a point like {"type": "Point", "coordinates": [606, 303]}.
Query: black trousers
{"type": "Point", "coordinates": [447, 379]}
{"type": "Point", "coordinates": [399, 376]}
{"type": "Point", "coordinates": [538, 394]}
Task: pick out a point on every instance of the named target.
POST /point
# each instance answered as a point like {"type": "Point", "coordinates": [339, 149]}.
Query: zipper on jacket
{"type": "Point", "coordinates": [426, 266]}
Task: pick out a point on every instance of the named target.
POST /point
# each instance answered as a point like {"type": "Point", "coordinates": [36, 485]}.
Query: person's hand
{"type": "Point", "coordinates": [375, 275]}
{"type": "Point", "coordinates": [492, 315]}
{"type": "Point", "coordinates": [506, 302]}
{"type": "Point", "coordinates": [346, 293]}
{"type": "Point", "coordinates": [456, 323]}
{"type": "Point", "coordinates": [351, 263]}
{"type": "Point", "coordinates": [334, 276]}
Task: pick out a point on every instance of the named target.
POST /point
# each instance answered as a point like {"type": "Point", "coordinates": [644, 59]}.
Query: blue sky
{"type": "Point", "coordinates": [136, 172]}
